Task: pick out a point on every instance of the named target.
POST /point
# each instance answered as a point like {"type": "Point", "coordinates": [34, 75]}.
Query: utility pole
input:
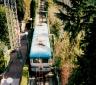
{"type": "Point", "coordinates": [12, 23]}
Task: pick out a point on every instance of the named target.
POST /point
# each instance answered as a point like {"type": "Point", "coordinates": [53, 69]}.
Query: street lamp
{"type": "Point", "coordinates": [31, 22]}
{"type": "Point", "coordinates": [10, 80]}
{"type": "Point", "coordinates": [30, 19]}
{"type": "Point", "coordinates": [26, 33]}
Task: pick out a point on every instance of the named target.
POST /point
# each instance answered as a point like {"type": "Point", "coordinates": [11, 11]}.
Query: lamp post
{"type": "Point", "coordinates": [31, 22]}
{"type": "Point", "coordinates": [26, 33]}
{"type": "Point", "coordinates": [10, 80]}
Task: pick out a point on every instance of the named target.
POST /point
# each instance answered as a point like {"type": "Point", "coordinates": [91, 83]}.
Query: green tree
{"type": "Point", "coordinates": [20, 9]}
{"type": "Point", "coordinates": [81, 16]}
{"type": "Point", "coordinates": [33, 7]}
{"type": "Point", "coordinates": [2, 62]}
{"type": "Point", "coordinates": [73, 17]}
{"type": "Point", "coordinates": [4, 36]}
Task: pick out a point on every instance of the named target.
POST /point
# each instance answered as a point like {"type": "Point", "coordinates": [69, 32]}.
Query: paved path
{"type": "Point", "coordinates": [16, 63]}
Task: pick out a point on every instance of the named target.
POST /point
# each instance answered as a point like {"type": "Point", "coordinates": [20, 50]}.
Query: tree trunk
{"type": "Point", "coordinates": [65, 72]}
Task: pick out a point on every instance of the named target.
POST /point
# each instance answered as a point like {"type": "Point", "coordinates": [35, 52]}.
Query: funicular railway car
{"type": "Point", "coordinates": [40, 53]}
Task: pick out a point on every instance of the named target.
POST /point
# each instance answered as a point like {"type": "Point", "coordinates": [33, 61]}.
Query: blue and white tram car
{"type": "Point", "coordinates": [40, 52]}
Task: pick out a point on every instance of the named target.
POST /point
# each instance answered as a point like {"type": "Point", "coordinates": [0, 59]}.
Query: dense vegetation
{"type": "Point", "coordinates": [23, 9]}
{"type": "Point", "coordinates": [81, 16]}
{"type": "Point", "coordinates": [4, 37]}
{"type": "Point", "coordinates": [74, 30]}
{"type": "Point", "coordinates": [20, 9]}
{"type": "Point", "coordinates": [3, 27]}
{"type": "Point", "coordinates": [33, 7]}
{"type": "Point", "coordinates": [2, 62]}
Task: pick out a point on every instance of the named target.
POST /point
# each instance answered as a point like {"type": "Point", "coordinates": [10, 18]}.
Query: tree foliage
{"type": "Point", "coordinates": [20, 9]}
{"type": "Point", "coordinates": [77, 16]}
{"type": "Point", "coordinates": [81, 16]}
{"type": "Point", "coordinates": [33, 7]}
{"type": "Point", "coordinates": [4, 36]}
{"type": "Point", "coordinates": [2, 62]}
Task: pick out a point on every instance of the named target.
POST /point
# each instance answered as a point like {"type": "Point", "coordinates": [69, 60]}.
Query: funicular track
{"type": "Point", "coordinates": [40, 77]}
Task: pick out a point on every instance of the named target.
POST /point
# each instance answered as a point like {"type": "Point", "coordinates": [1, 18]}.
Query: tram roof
{"type": "Point", "coordinates": [40, 47]}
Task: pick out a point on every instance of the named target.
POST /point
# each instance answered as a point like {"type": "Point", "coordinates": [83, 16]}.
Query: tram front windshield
{"type": "Point", "coordinates": [40, 60]}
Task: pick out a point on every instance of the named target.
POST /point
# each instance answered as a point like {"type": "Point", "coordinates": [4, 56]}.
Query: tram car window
{"type": "Point", "coordinates": [40, 60]}
{"type": "Point", "coordinates": [44, 60]}
{"type": "Point", "coordinates": [37, 60]}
